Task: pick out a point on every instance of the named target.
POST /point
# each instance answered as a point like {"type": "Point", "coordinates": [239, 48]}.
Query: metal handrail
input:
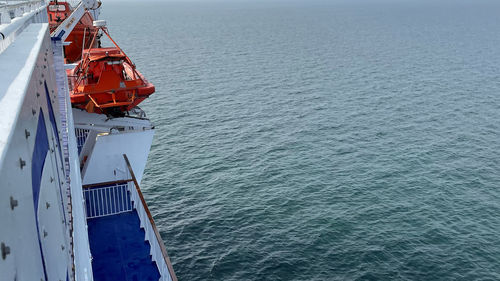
{"type": "Point", "coordinates": [10, 4]}
{"type": "Point", "coordinates": [106, 183]}
{"type": "Point", "coordinates": [15, 16]}
{"type": "Point", "coordinates": [150, 217]}
{"type": "Point", "coordinates": [107, 200]}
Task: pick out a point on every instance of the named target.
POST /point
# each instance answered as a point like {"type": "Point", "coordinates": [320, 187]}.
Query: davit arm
{"type": "Point", "coordinates": [65, 28]}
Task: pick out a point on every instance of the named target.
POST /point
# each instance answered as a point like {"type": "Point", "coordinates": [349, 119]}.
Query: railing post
{"type": "Point", "coordinates": [4, 18]}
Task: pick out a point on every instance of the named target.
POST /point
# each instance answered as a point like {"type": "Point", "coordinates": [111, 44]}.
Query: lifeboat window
{"type": "Point", "coordinates": [128, 72]}
{"type": "Point", "coordinates": [125, 75]}
{"type": "Point", "coordinates": [113, 62]}
{"type": "Point", "coordinates": [57, 8]}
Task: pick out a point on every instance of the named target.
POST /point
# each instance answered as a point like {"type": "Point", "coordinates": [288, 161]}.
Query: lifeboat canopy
{"type": "Point", "coordinates": [106, 81]}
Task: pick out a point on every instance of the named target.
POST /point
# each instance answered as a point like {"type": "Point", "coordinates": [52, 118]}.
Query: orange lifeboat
{"type": "Point", "coordinates": [80, 37]}
{"type": "Point", "coordinates": [58, 11]}
{"type": "Point", "coordinates": [106, 81]}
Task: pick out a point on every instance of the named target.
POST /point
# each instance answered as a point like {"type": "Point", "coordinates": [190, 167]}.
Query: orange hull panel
{"type": "Point", "coordinates": [107, 80]}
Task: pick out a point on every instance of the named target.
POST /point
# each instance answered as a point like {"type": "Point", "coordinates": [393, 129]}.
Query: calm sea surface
{"type": "Point", "coordinates": [339, 140]}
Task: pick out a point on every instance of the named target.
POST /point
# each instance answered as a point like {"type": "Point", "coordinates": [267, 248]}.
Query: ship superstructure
{"type": "Point", "coordinates": [72, 151]}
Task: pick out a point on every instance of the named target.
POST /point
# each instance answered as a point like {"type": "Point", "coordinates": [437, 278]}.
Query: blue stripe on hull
{"type": "Point", "coordinates": [39, 154]}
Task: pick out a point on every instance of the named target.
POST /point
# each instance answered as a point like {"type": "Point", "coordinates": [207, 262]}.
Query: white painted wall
{"type": "Point", "coordinates": [24, 66]}
{"type": "Point", "coordinates": [106, 161]}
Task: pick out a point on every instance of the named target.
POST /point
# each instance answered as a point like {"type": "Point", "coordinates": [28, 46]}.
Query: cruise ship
{"type": "Point", "coordinates": [73, 149]}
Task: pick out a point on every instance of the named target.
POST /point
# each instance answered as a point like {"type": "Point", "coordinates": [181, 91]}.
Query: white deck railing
{"type": "Point", "coordinates": [124, 196]}
{"type": "Point", "coordinates": [15, 16]}
{"type": "Point", "coordinates": [81, 137]}
{"type": "Point", "coordinates": [158, 251]}
{"type": "Point", "coordinates": [107, 201]}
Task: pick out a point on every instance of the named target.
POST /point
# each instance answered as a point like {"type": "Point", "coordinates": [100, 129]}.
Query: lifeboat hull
{"type": "Point", "coordinates": [106, 81]}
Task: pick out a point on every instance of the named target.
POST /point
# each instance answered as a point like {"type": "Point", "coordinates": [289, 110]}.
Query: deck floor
{"type": "Point", "coordinates": [118, 249]}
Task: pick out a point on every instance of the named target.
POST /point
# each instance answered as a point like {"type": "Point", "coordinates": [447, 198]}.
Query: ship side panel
{"type": "Point", "coordinates": [106, 163]}
{"type": "Point", "coordinates": [33, 238]}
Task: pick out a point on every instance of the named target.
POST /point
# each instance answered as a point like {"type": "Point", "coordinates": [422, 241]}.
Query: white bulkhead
{"type": "Point", "coordinates": [34, 236]}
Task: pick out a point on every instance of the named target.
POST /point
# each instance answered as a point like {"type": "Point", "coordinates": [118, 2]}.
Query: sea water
{"type": "Point", "coordinates": [333, 140]}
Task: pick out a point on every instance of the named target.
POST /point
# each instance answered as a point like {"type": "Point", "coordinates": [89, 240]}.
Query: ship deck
{"type": "Point", "coordinates": [118, 249]}
{"type": "Point", "coordinates": [124, 242]}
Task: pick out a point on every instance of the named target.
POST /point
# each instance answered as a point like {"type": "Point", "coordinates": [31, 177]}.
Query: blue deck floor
{"type": "Point", "coordinates": [118, 249]}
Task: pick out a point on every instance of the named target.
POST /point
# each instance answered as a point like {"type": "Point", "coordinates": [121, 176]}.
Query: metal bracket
{"type": "Point", "coordinates": [13, 203]}
{"type": "Point", "coordinates": [5, 250]}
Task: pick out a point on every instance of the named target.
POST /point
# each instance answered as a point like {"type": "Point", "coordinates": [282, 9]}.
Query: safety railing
{"type": "Point", "coordinates": [15, 16]}
{"type": "Point", "coordinates": [158, 251]}
{"type": "Point", "coordinates": [107, 201]}
{"type": "Point", "coordinates": [24, 5]}
{"type": "Point", "coordinates": [81, 137]}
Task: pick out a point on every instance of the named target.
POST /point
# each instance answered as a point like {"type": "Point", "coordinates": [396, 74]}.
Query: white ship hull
{"type": "Point", "coordinates": [64, 173]}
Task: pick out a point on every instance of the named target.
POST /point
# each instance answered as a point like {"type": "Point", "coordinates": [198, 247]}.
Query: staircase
{"type": "Point", "coordinates": [117, 241]}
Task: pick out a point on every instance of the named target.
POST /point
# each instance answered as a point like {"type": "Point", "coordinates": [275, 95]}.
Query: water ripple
{"type": "Point", "coordinates": [322, 141]}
